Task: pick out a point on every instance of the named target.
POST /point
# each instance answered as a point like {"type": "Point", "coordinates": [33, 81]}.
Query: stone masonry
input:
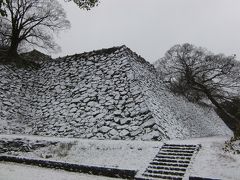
{"type": "Point", "coordinates": [97, 95]}
{"type": "Point", "coordinates": [90, 95]}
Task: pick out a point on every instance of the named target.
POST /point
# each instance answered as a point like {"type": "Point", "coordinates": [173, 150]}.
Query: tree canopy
{"type": "Point", "coordinates": [32, 23]}
{"type": "Point", "coordinates": [83, 4]}
{"type": "Point", "coordinates": [197, 73]}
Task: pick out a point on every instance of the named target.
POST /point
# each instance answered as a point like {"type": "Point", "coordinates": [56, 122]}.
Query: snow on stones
{"type": "Point", "coordinates": [106, 94]}
{"type": "Point", "coordinates": [175, 117]}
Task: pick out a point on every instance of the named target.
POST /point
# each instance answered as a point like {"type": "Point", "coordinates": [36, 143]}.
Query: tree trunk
{"type": "Point", "coordinates": [212, 99]}
{"type": "Point", "coordinates": [218, 105]}
{"type": "Point", "coordinates": [12, 51]}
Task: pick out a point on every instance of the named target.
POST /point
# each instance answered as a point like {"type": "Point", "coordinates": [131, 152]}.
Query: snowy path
{"type": "Point", "coordinates": [210, 162]}
{"type": "Point", "coordinates": [121, 154]}
{"type": "Point", "coordinates": [12, 171]}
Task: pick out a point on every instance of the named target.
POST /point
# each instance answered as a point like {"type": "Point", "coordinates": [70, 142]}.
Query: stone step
{"type": "Point", "coordinates": [175, 154]}
{"type": "Point", "coordinates": [167, 172]}
{"type": "Point", "coordinates": [178, 148]}
{"type": "Point", "coordinates": [180, 145]}
{"type": "Point", "coordinates": [145, 178]}
{"type": "Point", "coordinates": [173, 157]}
{"type": "Point", "coordinates": [162, 176]}
{"type": "Point", "coordinates": [168, 168]}
{"type": "Point", "coordinates": [170, 161]}
{"type": "Point", "coordinates": [169, 164]}
{"type": "Point", "coordinates": [177, 151]}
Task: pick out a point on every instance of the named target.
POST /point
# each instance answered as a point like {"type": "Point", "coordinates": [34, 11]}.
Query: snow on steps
{"type": "Point", "coordinates": [170, 163]}
{"type": "Point", "coordinates": [208, 163]}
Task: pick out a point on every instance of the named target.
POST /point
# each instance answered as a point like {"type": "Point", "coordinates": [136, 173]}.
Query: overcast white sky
{"type": "Point", "coordinates": [151, 27]}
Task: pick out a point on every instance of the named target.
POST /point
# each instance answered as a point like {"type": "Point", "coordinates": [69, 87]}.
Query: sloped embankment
{"type": "Point", "coordinates": [178, 117]}
{"type": "Point", "coordinates": [105, 94]}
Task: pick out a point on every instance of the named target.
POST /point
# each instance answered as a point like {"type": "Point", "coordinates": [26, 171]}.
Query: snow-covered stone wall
{"type": "Point", "coordinates": [106, 94]}
{"type": "Point", "coordinates": [91, 95]}
{"type": "Point", "coordinates": [178, 117]}
{"type": "Point", "coordinates": [15, 99]}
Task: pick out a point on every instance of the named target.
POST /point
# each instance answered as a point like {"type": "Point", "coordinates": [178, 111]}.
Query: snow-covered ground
{"type": "Point", "coordinates": [11, 171]}
{"type": "Point", "coordinates": [131, 155]}
{"type": "Point", "coordinates": [210, 162]}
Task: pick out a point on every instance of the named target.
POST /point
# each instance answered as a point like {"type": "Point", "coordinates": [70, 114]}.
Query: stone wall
{"type": "Point", "coordinates": [175, 115]}
{"type": "Point", "coordinates": [105, 94]}
{"type": "Point", "coordinates": [90, 95]}
{"type": "Point", "coordinates": [15, 99]}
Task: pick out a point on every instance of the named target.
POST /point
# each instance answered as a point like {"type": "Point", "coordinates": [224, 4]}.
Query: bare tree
{"type": "Point", "coordinates": [33, 23]}
{"type": "Point", "coordinates": [83, 4]}
{"type": "Point", "coordinates": [195, 72]}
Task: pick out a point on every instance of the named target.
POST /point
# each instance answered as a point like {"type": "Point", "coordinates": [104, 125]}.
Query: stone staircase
{"type": "Point", "coordinates": [171, 162]}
